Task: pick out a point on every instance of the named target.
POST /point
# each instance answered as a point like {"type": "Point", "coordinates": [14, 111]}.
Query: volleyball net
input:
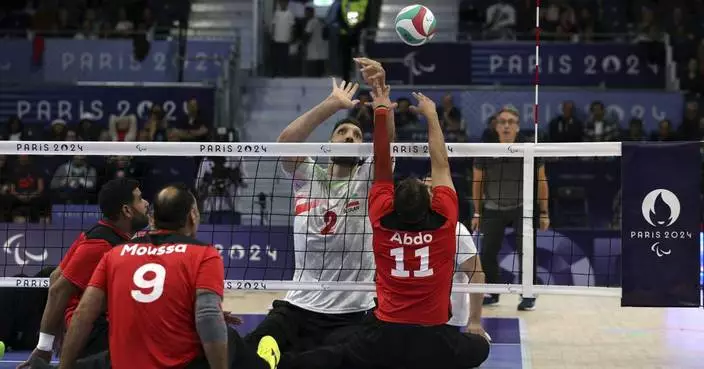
{"type": "Point", "coordinates": [260, 218]}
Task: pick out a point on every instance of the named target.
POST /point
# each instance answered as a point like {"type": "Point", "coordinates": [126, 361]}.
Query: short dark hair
{"type": "Point", "coordinates": [172, 205]}
{"type": "Point", "coordinates": [411, 200]}
{"type": "Point", "coordinates": [348, 120]}
{"type": "Point", "coordinates": [114, 195]}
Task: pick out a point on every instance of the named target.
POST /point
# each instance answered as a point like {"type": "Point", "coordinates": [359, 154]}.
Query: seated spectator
{"type": "Point", "coordinates": [691, 81]}
{"type": "Point", "coordinates": [122, 167]}
{"type": "Point", "coordinates": [449, 114]}
{"type": "Point", "coordinates": [193, 128]}
{"type": "Point", "coordinates": [489, 133]}
{"type": "Point", "coordinates": [5, 198]}
{"type": "Point", "coordinates": [87, 130]}
{"type": "Point", "coordinates": [635, 131]}
{"type": "Point", "coordinates": [566, 127]}
{"type": "Point", "coordinates": [156, 125]}
{"type": "Point", "coordinates": [363, 113]}
{"type": "Point", "coordinates": [665, 132]}
{"type": "Point", "coordinates": [690, 129]}
{"type": "Point", "coordinates": [104, 136]}
{"type": "Point", "coordinates": [124, 26]}
{"type": "Point", "coordinates": [75, 181]}
{"type": "Point", "coordinates": [57, 130]}
{"type": "Point", "coordinates": [599, 127]}
{"type": "Point", "coordinates": [404, 117]}
{"type": "Point", "coordinates": [27, 192]}
{"type": "Point", "coordinates": [71, 135]}
{"type": "Point", "coordinates": [123, 128]}
{"type": "Point", "coordinates": [15, 129]}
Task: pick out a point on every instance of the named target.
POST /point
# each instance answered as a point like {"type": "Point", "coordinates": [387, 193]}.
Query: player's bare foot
{"type": "Point", "coordinates": [269, 351]}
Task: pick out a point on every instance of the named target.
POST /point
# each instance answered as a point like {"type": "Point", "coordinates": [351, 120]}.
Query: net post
{"type": "Point", "coordinates": [528, 244]}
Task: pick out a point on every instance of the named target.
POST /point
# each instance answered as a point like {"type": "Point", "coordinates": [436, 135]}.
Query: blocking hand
{"type": "Point", "coordinates": [343, 94]}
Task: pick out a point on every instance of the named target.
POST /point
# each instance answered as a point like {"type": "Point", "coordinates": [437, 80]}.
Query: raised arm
{"type": "Point", "coordinates": [382, 151]}
{"type": "Point", "coordinates": [341, 98]}
{"type": "Point", "coordinates": [92, 304]}
{"type": "Point", "coordinates": [439, 163]}
{"type": "Point", "coordinates": [374, 74]}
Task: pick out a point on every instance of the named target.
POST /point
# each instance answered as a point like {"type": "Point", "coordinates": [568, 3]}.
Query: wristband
{"type": "Point", "coordinates": [46, 342]}
{"type": "Point", "coordinates": [382, 107]}
{"type": "Point", "coordinates": [477, 215]}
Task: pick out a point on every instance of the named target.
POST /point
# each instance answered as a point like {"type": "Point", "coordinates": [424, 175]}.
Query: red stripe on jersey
{"type": "Point", "coordinates": [418, 21]}
{"type": "Point", "coordinates": [306, 206]}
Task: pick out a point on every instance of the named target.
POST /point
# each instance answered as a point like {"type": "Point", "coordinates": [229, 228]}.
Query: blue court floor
{"type": "Point", "coordinates": [506, 350]}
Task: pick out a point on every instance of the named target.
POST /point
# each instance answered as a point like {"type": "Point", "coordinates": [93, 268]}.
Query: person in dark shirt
{"type": "Point", "coordinates": [27, 192]}
{"type": "Point", "coordinates": [193, 128]}
{"type": "Point", "coordinates": [566, 127]}
{"type": "Point", "coordinates": [665, 132]}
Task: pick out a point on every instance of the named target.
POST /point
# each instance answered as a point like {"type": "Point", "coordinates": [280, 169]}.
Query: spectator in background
{"type": "Point", "coordinates": [124, 26]}
{"type": "Point", "coordinates": [71, 135]}
{"type": "Point", "coordinates": [27, 192]}
{"type": "Point", "coordinates": [87, 130]}
{"type": "Point", "coordinates": [15, 129]}
{"type": "Point", "coordinates": [281, 35]}
{"type": "Point", "coordinates": [57, 130]}
{"type": "Point", "coordinates": [404, 117]}
{"type": "Point", "coordinates": [489, 133]}
{"type": "Point", "coordinates": [156, 126]}
{"type": "Point", "coordinates": [500, 21]}
{"type": "Point", "coordinates": [5, 198]}
{"type": "Point", "coordinates": [566, 127]}
{"type": "Point", "coordinates": [74, 182]}
{"type": "Point", "coordinates": [599, 127]}
{"type": "Point", "coordinates": [449, 115]}
{"type": "Point", "coordinates": [123, 128]}
{"type": "Point", "coordinates": [352, 19]}
{"type": "Point", "coordinates": [363, 113]}
{"type": "Point", "coordinates": [635, 131]}
{"type": "Point", "coordinates": [121, 167]}
{"type": "Point", "coordinates": [316, 44]}
{"type": "Point", "coordinates": [665, 132]}
{"type": "Point", "coordinates": [104, 136]}
{"type": "Point", "coordinates": [690, 129]}
{"type": "Point", "coordinates": [588, 25]}
{"type": "Point", "coordinates": [193, 128]}
{"type": "Point", "coordinates": [691, 80]}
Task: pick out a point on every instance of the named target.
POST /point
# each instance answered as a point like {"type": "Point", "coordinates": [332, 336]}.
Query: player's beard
{"type": "Point", "coordinates": [345, 161]}
{"type": "Point", "coordinates": [139, 222]}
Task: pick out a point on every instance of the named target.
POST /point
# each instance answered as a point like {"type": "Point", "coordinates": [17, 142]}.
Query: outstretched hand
{"type": "Point", "coordinates": [380, 97]}
{"type": "Point", "coordinates": [425, 105]}
{"type": "Point", "coordinates": [343, 94]}
{"type": "Point", "coordinates": [372, 71]}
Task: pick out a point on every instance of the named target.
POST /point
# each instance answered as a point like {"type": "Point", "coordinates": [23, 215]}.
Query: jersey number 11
{"type": "Point", "coordinates": [423, 271]}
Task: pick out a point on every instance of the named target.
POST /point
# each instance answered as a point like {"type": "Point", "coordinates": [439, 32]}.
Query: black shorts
{"type": "Point", "coordinates": [297, 329]}
{"type": "Point", "coordinates": [239, 355]}
{"type": "Point", "coordinates": [390, 345]}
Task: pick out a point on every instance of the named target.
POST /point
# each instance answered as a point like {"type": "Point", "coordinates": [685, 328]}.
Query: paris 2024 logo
{"type": "Point", "coordinates": [661, 209]}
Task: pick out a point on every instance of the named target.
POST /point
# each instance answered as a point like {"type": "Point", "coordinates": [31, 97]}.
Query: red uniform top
{"type": "Point", "coordinates": [150, 284]}
{"type": "Point", "coordinates": [84, 255]}
{"type": "Point", "coordinates": [414, 267]}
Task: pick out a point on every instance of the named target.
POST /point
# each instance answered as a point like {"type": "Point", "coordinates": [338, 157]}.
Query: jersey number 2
{"type": "Point", "coordinates": [423, 271]}
{"type": "Point", "coordinates": [330, 219]}
{"type": "Point", "coordinates": [155, 285]}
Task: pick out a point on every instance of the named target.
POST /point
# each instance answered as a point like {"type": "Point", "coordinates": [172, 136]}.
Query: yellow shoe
{"type": "Point", "coordinates": [269, 351]}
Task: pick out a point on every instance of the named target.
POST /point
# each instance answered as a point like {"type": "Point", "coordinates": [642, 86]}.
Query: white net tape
{"type": "Point", "coordinates": [528, 151]}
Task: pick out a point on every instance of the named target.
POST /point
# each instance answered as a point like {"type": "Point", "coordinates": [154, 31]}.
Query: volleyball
{"type": "Point", "coordinates": [415, 25]}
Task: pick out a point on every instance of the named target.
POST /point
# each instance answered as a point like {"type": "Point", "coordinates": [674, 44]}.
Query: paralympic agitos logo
{"type": "Point", "coordinates": [13, 246]}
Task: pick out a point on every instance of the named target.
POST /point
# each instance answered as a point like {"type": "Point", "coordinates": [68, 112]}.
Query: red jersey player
{"type": "Point", "coordinates": [124, 212]}
{"type": "Point", "coordinates": [414, 248]}
{"type": "Point", "coordinates": [163, 291]}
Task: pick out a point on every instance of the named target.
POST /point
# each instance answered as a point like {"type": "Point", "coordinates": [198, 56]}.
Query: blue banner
{"type": "Point", "coordinates": [567, 64]}
{"type": "Point", "coordinates": [259, 253]}
{"type": "Point", "coordinates": [477, 106]}
{"type": "Point", "coordinates": [432, 64]}
{"type": "Point", "coordinates": [661, 224]}
{"type": "Point", "coordinates": [41, 105]}
{"type": "Point", "coordinates": [68, 60]}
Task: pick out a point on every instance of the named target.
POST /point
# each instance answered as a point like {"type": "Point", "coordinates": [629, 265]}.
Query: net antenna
{"type": "Point", "coordinates": [254, 151]}
{"type": "Point", "coordinates": [536, 105]}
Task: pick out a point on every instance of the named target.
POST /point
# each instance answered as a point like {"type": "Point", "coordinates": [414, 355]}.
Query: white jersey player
{"type": "Point", "coordinates": [332, 234]}
{"type": "Point", "coordinates": [466, 308]}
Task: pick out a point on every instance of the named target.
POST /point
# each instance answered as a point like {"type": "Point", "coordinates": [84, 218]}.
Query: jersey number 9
{"type": "Point", "coordinates": [155, 285]}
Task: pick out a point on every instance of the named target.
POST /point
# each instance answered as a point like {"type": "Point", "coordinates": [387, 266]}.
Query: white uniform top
{"type": "Point", "coordinates": [460, 301]}
{"type": "Point", "coordinates": [332, 237]}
